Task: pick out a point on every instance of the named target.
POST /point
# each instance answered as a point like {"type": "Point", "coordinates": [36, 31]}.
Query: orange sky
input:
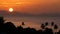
{"type": "Point", "coordinates": [31, 6]}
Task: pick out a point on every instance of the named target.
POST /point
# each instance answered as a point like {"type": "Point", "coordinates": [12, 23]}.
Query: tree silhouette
{"type": "Point", "coordinates": [55, 26]}
{"type": "Point", "coordinates": [46, 24]}
{"type": "Point", "coordinates": [52, 23]}
{"type": "Point", "coordinates": [19, 29]}
{"type": "Point", "coordinates": [1, 20]}
{"type": "Point", "coordinates": [23, 23]}
{"type": "Point", "coordinates": [42, 26]}
{"type": "Point", "coordinates": [1, 24]}
{"type": "Point", "coordinates": [9, 28]}
{"type": "Point", "coordinates": [48, 31]}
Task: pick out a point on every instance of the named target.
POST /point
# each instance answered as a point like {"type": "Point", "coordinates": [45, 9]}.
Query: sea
{"type": "Point", "coordinates": [32, 21]}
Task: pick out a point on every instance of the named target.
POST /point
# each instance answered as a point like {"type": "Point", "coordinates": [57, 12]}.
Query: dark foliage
{"type": "Point", "coordinates": [42, 26]}
{"type": "Point", "coordinates": [55, 26]}
{"type": "Point", "coordinates": [52, 23]}
{"type": "Point", "coordinates": [46, 24]}
{"type": "Point", "coordinates": [9, 28]}
{"type": "Point", "coordinates": [23, 23]}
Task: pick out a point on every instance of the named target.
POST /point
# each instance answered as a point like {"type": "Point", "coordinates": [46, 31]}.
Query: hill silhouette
{"type": "Point", "coordinates": [9, 28]}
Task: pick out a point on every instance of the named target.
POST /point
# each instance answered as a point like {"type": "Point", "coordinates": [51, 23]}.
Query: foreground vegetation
{"type": "Point", "coordinates": [9, 28]}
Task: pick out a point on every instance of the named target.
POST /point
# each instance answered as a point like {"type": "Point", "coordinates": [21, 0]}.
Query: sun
{"type": "Point", "coordinates": [10, 9]}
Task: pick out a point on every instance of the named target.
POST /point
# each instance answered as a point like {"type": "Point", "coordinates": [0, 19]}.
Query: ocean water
{"type": "Point", "coordinates": [32, 21]}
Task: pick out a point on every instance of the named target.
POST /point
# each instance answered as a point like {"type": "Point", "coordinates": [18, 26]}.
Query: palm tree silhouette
{"type": "Point", "coordinates": [46, 24]}
{"type": "Point", "coordinates": [42, 26]}
{"type": "Point", "coordinates": [9, 28]}
{"type": "Point", "coordinates": [52, 23]}
{"type": "Point", "coordinates": [55, 26]}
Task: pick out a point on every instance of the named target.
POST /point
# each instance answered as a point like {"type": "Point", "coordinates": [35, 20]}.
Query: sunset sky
{"type": "Point", "coordinates": [38, 9]}
{"type": "Point", "coordinates": [33, 7]}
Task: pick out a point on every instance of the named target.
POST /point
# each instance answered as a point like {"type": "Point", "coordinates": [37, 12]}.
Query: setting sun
{"type": "Point", "coordinates": [10, 9]}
